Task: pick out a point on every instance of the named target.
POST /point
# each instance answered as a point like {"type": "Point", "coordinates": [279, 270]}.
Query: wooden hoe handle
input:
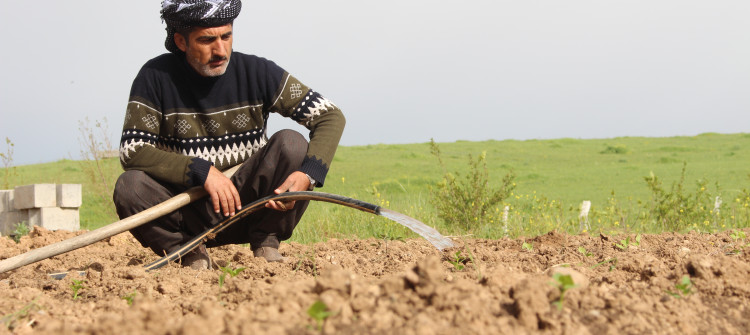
{"type": "Point", "coordinates": [112, 229]}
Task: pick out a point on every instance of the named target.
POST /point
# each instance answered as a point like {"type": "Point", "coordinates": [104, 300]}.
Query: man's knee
{"type": "Point", "coordinates": [290, 143]}
{"type": "Point", "coordinates": [129, 192]}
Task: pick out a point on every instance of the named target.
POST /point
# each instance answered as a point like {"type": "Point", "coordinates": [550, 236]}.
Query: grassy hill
{"type": "Point", "coordinates": [553, 177]}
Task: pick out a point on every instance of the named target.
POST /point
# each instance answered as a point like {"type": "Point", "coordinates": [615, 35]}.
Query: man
{"type": "Point", "coordinates": [203, 108]}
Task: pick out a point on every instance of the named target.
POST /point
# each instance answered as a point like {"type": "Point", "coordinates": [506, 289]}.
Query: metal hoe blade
{"type": "Point", "coordinates": [429, 233]}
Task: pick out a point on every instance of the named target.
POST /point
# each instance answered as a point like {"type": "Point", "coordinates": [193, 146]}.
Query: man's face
{"type": "Point", "coordinates": [207, 49]}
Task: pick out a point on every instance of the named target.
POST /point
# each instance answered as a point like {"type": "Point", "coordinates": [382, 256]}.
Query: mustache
{"type": "Point", "coordinates": [217, 58]}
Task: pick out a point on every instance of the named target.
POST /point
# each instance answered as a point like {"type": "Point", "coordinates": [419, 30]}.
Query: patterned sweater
{"type": "Point", "coordinates": [179, 123]}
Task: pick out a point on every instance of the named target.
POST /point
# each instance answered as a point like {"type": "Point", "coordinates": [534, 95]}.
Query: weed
{"type": "Point", "coordinates": [8, 168]}
{"type": "Point", "coordinates": [627, 242]}
{"type": "Point", "coordinates": [468, 201]}
{"type": "Point", "coordinates": [683, 288]}
{"type": "Point", "coordinates": [612, 264]}
{"type": "Point", "coordinates": [228, 270]}
{"type": "Point", "coordinates": [76, 286]}
{"type": "Point", "coordinates": [96, 146]}
{"type": "Point", "coordinates": [738, 235]}
{"type": "Point", "coordinates": [319, 312]}
{"type": "Point", "coordinates": [389, 237]}
{"type": "Point", "coordinates": [583, 252]}
{"type": "Point", "coordinates": [130, 297]}
{"type": "Point", "coordinates": [458, 261]}
{"type": "Point", "coordinates": [563, 283]}
{"type": "Point", "coordinates": [474, 263]}
{"type": "Point", "coordinates": [740, 239]}
{"type": "Point", "coordinates": [21, 229]}
{"type": "Point", "coordinates": [309, 256]}
{"type": "Point", "coordinates": [527, 246]}
{"type": "Point", "coordinates": [676, 209]}
{"type": "Point", "coordinates": [11, 320]}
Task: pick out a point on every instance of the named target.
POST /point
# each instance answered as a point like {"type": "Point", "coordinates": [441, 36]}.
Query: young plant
{"type": "Point", "coordinates": [8, 168]}
{"type": "Point", "coordinates": [96, 146]}
{"type": "Point", "coordinates": [738, 235]}
{"type": "Point", "coordinates": [563, 283]}
{"type": "Point", "coordinates": [583, 252]}
{"type": "Point", "coordinates": [684, 288]}
{"type": "Point", "coordinates": [76, 286]}
{"type": "Point", "coordinates": [227, 270]}
{"type": "Point", "coordinates": [627, 242]}
{"type": "Point", "coordinates": [21, 229]}
{"type": "Point", "coordinates": [129, 297]}
{"type": "Point", "coordinates": [11, 320]}
{"type": "Point", "coordinates": [527, 246]}
{"type": "Point", "coordinates": [458, 261]}
{"type": "Point", "coordinates": [319, 312]}
{"type": "Point", "coordinates": [612, 264]}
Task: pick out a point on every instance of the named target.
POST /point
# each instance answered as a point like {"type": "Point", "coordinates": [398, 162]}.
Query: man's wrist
{"type": "Point", "coordinates": [312, 182]}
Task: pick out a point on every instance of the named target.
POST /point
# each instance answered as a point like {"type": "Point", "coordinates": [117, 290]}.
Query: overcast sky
{"type": "Point", "coordinates": [405, 71]}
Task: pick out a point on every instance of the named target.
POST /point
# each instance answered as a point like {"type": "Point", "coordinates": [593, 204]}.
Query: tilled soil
{"type": "Point", "coordinates": [391, 287]}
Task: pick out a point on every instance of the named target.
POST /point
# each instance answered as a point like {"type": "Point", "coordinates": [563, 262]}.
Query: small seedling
{"type": "Point", "coordinates": [584, 252]}
{"type": "Point", "coordinates": [76, 286]}
{"type": "Point", "coordinates": [738, 235]}
{"type": "Point", "coordinates": [11, 320]}
{"type": "Point", "coordinates": [612, 263]}
{"type": "Point", "coordinates": [627, 242]}
{"type": "Point", "coordinates": [21, 229]}
{"type": "Point", "coordinates": [527, 246]}
{"type": "Point", "coordinates": [458, 261]}
{"type": "Point", "coordinates": [563, 283]}
{"type": "Point", "coordinates": [130, 297]}
{"type": "Point", "coordinates": [319, 312]}
{"type": "Point", "coordinates": [227, 270]}
{"type": "Point", "coordinates": [684, 288]}
{"type": "Point", "coordinates": [389, 237]}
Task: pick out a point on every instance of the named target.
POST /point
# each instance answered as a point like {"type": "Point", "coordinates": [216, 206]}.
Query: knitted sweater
{"type": "Point", "coordinates": [179, 123]}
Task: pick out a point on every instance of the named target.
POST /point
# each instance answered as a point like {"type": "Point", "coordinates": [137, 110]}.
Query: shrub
{"type": "Point", "coordinates": [677, 209]}
{"type": "Point", "coordinates": [468, 201]}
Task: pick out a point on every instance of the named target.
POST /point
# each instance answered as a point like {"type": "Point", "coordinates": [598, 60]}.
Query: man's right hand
{"type": "Point", "coordinates": [224, 195]}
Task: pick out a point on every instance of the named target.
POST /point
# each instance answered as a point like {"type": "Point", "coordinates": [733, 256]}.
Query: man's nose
{"type": "Point", "coordinates": [219, 49]}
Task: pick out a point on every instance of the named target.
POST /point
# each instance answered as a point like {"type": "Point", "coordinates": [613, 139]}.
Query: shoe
{"type": "Point", "coordinates": [197, 259]}
{"type": "Point", "coordinates": [269, 253]}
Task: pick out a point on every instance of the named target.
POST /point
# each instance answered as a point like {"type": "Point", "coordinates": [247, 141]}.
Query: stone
{"type": "Point", "coordinates": [69, 195]}
{"type": "Point", "coordinates": [6, 201]}
{"type": "Point", "coordinates": [35, 196]}
{"type": "Point", "coordinates": [9, 220]}
{"type": "Point", "coordinates": [55, 218]}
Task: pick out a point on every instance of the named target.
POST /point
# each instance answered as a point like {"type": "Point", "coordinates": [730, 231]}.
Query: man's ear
{"type": "Point", "coordinates": [180, 41]}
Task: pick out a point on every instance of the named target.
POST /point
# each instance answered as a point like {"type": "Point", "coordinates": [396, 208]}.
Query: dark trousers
{"type": "Point", "coordinates": [258, 177]}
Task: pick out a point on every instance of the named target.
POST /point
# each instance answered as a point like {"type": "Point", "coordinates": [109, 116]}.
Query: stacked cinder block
{"type": "Point", "coordinates": [45, 205]}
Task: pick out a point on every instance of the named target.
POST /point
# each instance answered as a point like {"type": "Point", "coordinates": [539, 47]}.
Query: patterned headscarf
{"type": "Point", "coordinates": [183, 14]}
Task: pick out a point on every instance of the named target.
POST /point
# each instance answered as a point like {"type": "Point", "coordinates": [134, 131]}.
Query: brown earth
{"type": "Point", "coordinates": [395, 287]}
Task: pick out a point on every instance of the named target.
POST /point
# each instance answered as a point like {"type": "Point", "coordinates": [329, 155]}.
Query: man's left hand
{"type": "Point", "coordinates": [297, 181]}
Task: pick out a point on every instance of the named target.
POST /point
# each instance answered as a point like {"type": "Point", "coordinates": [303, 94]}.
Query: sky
{"type": "Point", "coordinates": [404, 71]}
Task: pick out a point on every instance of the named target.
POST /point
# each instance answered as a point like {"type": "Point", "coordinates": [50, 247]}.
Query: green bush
{"type": "Point", "coordinates": [470, 200]}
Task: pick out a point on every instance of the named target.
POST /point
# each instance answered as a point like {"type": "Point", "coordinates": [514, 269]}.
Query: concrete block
{"type": "Point", "coordinates": [8, 221]}
{"type": "Point", "coordinates": [69, 195]}
{"type": "Point", "coordinates": [6, 201]}
{"type": "Point", "coordinates": [55, 218]}
{"type": "Point", "coordinates": [35, 196]}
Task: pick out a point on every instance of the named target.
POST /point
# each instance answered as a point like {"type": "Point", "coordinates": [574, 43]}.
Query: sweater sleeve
{"type": "Point", "coordinates": [319, 115]}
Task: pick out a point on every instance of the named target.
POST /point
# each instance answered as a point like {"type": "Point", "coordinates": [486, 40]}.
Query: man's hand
{"type": "Point", "coordinates": [223, 193]}
{"type": "Point", "coordinates": [297, 181]}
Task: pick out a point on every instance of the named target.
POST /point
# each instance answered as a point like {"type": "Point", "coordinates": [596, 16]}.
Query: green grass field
{"type": "Point", "coordinates": [553, 177]}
